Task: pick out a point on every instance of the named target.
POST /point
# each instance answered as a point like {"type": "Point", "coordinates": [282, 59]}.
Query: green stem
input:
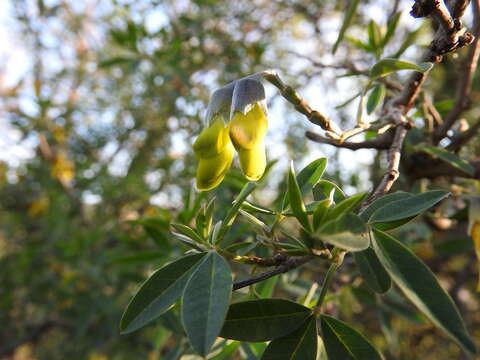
{"type": "Point", "coordinates": [338, 259]}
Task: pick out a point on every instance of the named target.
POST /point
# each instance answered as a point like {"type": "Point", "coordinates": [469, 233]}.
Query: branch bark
{"type": "Point", "coordinates": [465, 79]}
{"type": "Point", "coordinates": [290, 264]}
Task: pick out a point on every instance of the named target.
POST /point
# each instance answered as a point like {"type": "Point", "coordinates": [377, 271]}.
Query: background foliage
{"type": "Point", "coordinates": [110, 98]}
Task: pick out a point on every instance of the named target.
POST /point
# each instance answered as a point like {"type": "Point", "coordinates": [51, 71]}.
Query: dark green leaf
{"type": "Point", "coordinates": [308, 177]}
{"type": "Point", "coordinates": [388, 65]}
{"type": "Point", "coordinates": [320, 213]}
{"type": "Point", "coordinates": [345, 206]}
{"type": "Point", "coordinates": [359, 44]}
{"type": "Point", "coordinates": [158, 293]}
{"type": "Point", "coordinates": [296, 201]}
{"type": "Point", "coordinates": [375, 98]}
{"type": "Point", "coordinates": [263, 319]}
{"type": "Point", "coordinates": [406, 208]}
{"type": "Point", "coordinates": [449, 158]}
{"type": "Point", "coordinates": [233, 211]}
{"type": "Point", "coordinates": [298, 345]}
{"type": "Point", "coordinates": [323, 190]}
{"type": "Point", "coordinates": [374, 34]}
{"type": "Point", "coordinates": [205, 302]}
{"type": "Point", "coordinates": [347, 20]}
{"type": "Point", "coordinates": [247, 206]}
{"type": "Point", "coordinates": [344, 343]}
{"type": "Point", "coordinates": [390, 225]}
{"type": "Point", "coordinates": [189, 232]}
{"type": "Point", "coordinates": [421, 287]}
{"type": "Point", "coordinates": [372, 271]}
{"type": "Point", "coordinates": [384, 200]}
{"type": "Point", "coordinates": [347, 232]}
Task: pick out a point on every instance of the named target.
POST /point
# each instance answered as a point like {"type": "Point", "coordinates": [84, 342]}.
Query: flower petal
{"type": "Point", "coordinates": [212, 140]}
{"type": "Point", "coordinates": [247, 131]}
{"type": "Point", "coordinates": [253, 161]}
{"type": "Point", "coordinates": [212, 170]}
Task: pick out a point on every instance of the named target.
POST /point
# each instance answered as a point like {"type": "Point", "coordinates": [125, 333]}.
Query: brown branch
{"type": "Point", "coordinates": [459, 9]}
{"type": "Point", "coordinates": [393, 164]}
{"type": "Point", "coordinates": [290, 264]}
{"type": "Point", "coordinates": [381, 142]}
{"type": "Point", "coordinates": [464, 84]}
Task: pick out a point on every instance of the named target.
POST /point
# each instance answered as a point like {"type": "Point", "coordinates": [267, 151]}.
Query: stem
{"type": "Point", "coordinates": [338, 256]}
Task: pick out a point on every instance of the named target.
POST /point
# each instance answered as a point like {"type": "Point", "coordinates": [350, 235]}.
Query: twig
{"type": "Point", "coordinates": [464, 84]}
{"type": "Point", "coordinates": [290, 264]}
{"type": "Point", "coordinates": [381, 142]}
{"type": "Point", "coordinates": [301, 105]}
{"type": "Point", "coordinates": [393, 164]}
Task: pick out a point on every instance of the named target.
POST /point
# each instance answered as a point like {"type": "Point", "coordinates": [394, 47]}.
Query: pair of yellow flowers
{"type": "Point", "coordinates": [245, 133]}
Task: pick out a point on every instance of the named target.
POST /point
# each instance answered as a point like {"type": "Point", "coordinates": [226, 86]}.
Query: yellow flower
{"type": "Point", "coordinates": [214, 151]}
{"type": "Point", "coordinates": [247, 132]}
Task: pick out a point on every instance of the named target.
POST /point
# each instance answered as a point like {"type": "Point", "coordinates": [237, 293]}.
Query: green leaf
{"type": "Point", "coordinates": [158, 293]}
{"type": "Point", "coordinates": [298, 345]}
{"type": "Point", "coordinates": [448, 157]}
{"type": "Point", "coordinates": [372, 271]}
{"type": "Point", "coordinates": [205, 302]}
{"type": "Point", "coordinates": [320, 213]}
{"type": "Point", "coordinates": [391, 27]}
{"type": "Point", "coordinates": [189, 242]}
{"type": "Point", "coordinates": [263, 319]}
{"type": "Point", "coordinates": [257, 223]}
{"type": "Point", "coordinates": [254, 208]}
{"type": "Point", "coordinates": [189, 232]}
{"type": "Point", "coordinates": [308, 177]}
{"type": "Point", "coordinates": [347, 232]}
{"type": "Point", "coordinates": [359, 44]}
{"type": "Point", "coordinates": [296, 201]}
{"type": "Point", "coordinates": [406, 208]}
{"type": "Point", "coordinates": [344, 343]}
{"type": "Point", "coordinates": [345, 206]}
{"type": "Point", "coordinates": [347, 20]}
{"type": "Point", "coordinates": [233, 211]}
{"type": "Point", "coordinates": [374, 34]}
{"type": "Point", "coordinates": [323, 190]}
{"type": "Point", "coordinates": [390, 225]}
{"type": "Point", "coordinates": [209, 216]}
{"type": "Point", "coordinates": [421, 287]}
{"type": "Point", "coordinates": [375, 98]}
{"type": "Point", "coordinates": [388, 65]}
{"type": "Point", "coordinates": [384, 200]}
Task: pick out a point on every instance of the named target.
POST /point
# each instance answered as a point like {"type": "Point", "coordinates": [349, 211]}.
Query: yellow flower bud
{"type": "Point", "coordinates": [247, 132]}
{"type": "Point", "coordinates": [215, 154]}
